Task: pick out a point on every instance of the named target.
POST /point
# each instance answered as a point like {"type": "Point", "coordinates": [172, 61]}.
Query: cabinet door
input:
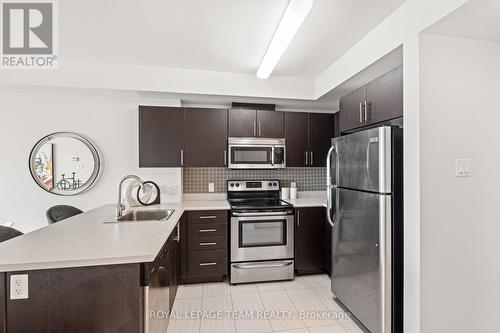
{"type": "Point", "coordinates": [351, 110]}
{"type": "Point", "coordinates": [385, 97]}
{"type": "Point", "coordinates": [242, 123]}
{"type": "Point", "coordinates": [327, 247]}
{"type": "Point", "coordinates": [309, 233]}
{"type": "Point", "coordinates": [161, 136]}
{"type": "Point", "coordinates": [174, 269]}
{"type": "Point", "coordinates": [270, 124]}
{"type": "Point", "coordinates": [183, 247]}
{"type": "Point", "coordinates": [320, 137]}
{"type": "Point", "coordinates": [297, 139]}
{"type": "Point", "coordinates": [336, 125]}
{"type": "Point", "coordinates": [206, 137]}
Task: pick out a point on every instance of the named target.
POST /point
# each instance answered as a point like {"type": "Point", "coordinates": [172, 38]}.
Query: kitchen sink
{"type": "Point", "coordinates": [143, 216]}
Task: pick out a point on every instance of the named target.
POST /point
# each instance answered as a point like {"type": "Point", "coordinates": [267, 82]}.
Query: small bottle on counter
{"type": "Point", "coordinates": [293, 190]}
{"type": "Point", "coordinates": [285, 193]}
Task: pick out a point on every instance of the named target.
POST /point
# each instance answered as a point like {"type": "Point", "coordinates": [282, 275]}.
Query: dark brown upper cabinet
{"type": "Point", "coordinates": [161, 136]}
{"type": "Point", "coordinates": [336, 127]}
{"type": "Point", "coordinates": [256, 123]}
{"type": "Point", "coordinates": [297, 139]}
{"type": "Point", "coordinates": [308, 138]}
{"type": "Point", "coordinates": [352, 109]}
{"type": "Point", "coordinates": [270, 124]}
{"type": "Point", "coordinates": [378, 101]}
{"type": "Point", "coordinates": [310, 255]}
{"type": "Point", "coordinates": [320, 137]}
{"type": "Point", "coordinates": [206, 137]}
{"type": "Point", "coordinates": [385, 97]}
{"type": "Point", "coordinates": [242, 123]}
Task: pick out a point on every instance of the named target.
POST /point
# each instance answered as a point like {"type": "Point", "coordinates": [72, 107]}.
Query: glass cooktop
{"type": "Point", "coordinates": [258, 204]}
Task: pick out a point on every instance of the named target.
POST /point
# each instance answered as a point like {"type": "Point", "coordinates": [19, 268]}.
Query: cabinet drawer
{"type": "Point", "coordinates": [207, 230]}
{"type": "Point", "coordinates": [207, 243]}
{"type": "Point", "coordinates": [207, 263]}
{"type": "Point", "coordinates": [209, 216]}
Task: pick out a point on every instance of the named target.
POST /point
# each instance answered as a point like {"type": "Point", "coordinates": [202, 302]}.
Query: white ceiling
{"type": "Point", "coordinates": [216, 35]}
{"type": "Point", "coordinates": [477, 19]}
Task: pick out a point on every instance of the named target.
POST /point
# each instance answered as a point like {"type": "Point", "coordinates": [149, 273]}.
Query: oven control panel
{"type": "Point", "coordinates": [253, 185]}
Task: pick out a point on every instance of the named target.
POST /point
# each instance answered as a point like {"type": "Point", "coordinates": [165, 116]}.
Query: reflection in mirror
{"type": "Point", "coordinates": [64, 163]}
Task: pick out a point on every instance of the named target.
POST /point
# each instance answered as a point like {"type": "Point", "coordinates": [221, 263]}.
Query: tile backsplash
{"type": "Point", "coordinates": [195, 180]}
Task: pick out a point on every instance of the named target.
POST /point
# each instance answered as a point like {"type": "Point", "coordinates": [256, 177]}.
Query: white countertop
{"type": "Point", "coordinates": [85, 240]}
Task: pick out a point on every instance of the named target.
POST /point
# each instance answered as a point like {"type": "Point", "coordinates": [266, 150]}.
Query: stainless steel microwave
{"type": "Point", "coordinates": [256, 153]}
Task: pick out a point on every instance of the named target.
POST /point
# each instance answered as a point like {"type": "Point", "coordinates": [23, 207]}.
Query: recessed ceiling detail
{"type": "Point", "coordinates": [290, 23]}
{"type": "Point", "coordinates": [219, 35]}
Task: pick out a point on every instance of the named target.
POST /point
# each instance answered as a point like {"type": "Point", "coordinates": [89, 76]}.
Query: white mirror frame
{"type": "Point", "coordinates": [86, 142]}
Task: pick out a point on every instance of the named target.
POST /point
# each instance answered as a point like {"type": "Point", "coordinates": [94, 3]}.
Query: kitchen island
{"type": "Point", "coordinates": [85, 275]}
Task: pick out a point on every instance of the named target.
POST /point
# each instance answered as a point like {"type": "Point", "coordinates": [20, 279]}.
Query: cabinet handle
{"type": "Point", "coordinates": [182, 157]}
{"type": "Point", "coordinates": [366, 110]}
{"type": "Point", "coordinates": [208, 217]}
{"type": "Point", "coordinates": [208, 230]}
{"type": "Point", "coordinates": [298, 218]}
{"type": "Point", "coordinates": [360, 112]}
{"type": "Point", "coordinates": [312, 159]}
{"type": "Point", "coordinates": [260, 129]}
{"type": "Point", "coordinates": [254, 129]}
{"type": "Point", "coordinates": [208, 244]}
{"type": "Point", "coordinates": [306, 158]}
{"type": "Point", "coordinates": [208, 264]}
{"type": "Point", "coordinates": [178, 238]}
{"type": "Point", "coordinates": [225, 157]}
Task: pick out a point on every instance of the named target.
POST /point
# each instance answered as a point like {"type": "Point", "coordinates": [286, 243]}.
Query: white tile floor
{"type": "Point", "coordinates": [243, 308]}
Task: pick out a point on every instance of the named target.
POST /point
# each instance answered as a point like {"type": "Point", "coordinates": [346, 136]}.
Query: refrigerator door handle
{"type": "Point", "coordinates": [329, 186]}
{"type": "Point", "coordinates": [370, 143]}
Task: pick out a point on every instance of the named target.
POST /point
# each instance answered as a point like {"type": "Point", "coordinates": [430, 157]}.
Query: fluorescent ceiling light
{"type": "Point", "coordinates": [290, 23]}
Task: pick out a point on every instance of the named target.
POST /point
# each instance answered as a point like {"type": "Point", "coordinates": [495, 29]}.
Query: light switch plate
{"type": "Point", "coordinates": [211, 187]}
{"type": "Point", "coordinates": [462, 167]}
{"type": "Point", "coordinates": [19, 286]}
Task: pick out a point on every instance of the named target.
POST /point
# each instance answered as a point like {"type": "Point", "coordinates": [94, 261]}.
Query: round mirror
{"type": "Point", "coordinates": [64, 163]}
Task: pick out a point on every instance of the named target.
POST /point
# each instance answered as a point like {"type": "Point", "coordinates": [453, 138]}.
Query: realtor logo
{"type": "Point", "coordinates": [28, 34]}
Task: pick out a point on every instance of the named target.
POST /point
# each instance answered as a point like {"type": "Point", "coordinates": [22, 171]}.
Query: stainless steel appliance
{"type": "Point", "coordinates": [365, 209]}
{"type": "Point", "coordinates": [262, 232]}
{"type": "Point", "coordinates": [256, 153]}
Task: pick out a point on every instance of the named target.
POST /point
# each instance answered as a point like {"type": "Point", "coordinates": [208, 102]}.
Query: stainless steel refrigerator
{"type": "Point", "coordinates": [365, 209]}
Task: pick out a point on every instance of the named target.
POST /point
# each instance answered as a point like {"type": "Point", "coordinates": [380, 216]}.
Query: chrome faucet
{"type": "Point", "coordinates": [121, 207]}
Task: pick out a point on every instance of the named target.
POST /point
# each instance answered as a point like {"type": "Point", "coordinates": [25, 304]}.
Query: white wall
{"type": "Point", "coordinates": [460, 217]}
{"type": "Point", "coordinates": [109, 119]}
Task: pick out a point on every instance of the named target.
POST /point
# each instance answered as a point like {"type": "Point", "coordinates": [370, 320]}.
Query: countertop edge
{"type": "Point", "coordinates": [180, 208]}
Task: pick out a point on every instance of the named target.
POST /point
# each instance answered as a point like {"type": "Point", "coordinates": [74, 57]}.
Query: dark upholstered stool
{"type": "Point", "coordinates": [7, 233]}
{"type": "Point", "coordinates": [61, 212]}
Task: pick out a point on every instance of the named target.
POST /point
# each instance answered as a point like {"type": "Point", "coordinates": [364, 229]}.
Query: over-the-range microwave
{"type": "Point", "coordinates": [256, 153]}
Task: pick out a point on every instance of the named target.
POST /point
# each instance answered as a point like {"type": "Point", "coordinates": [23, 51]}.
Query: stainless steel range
{"type": "Point", "coordinates": [262, 232]}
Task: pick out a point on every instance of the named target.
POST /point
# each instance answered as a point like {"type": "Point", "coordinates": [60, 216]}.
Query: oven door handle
{"type": "Point", "coordinates": [257, 214]}
{"type": "Point", "coordinates": [253, 266]}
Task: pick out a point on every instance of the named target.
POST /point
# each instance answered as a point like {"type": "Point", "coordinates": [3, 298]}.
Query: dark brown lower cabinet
{"type": "Point", "coordinates": [327, 247]}
{"type": "Point", "coordinates": [310, 256]}
{"type": "Point", "coordinates": [84, 299]}
{"type": "Point", "coordinates": [97, 299]}
{"type": "Point", "coordinates": [163, 283]}
{"type": "Point", "coordinates": [204, 254]}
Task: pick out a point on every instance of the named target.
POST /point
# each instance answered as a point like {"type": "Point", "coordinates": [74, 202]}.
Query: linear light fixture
{"type": "Point", "coordinates": [290, 23]}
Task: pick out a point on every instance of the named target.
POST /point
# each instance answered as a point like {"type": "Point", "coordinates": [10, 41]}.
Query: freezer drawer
{"type": "Point", "coordinates": [361, 256]}
{"type": "Point", "coordinates": [362, 160]}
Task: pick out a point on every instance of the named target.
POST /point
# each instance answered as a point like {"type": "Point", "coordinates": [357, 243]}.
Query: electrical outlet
{"type": "Point", "coordinates": [211, 187]}
{"type": "Point", "coordinates": [172, 190]}
{"type": "Point", "coordinates": [462, 167]}
{"type": "Point", "coordinates": [19, 286]}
